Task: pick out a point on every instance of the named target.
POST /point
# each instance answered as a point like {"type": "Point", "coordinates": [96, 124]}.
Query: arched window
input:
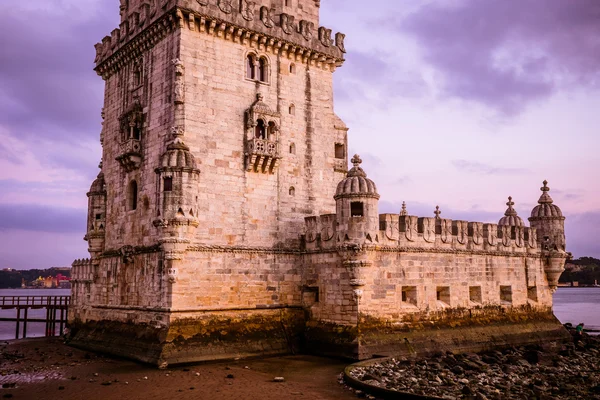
{"type": "Point", "coordinates": [260, 129]}
{"type": "Point", "coordinates": [133, 195]}
{"type": "Point", "coordinates": [262, 70]}
{"type": "Point", "coordinates": [292, 191]}
{"type": "Point", "coordinates": [292, 68]}
{"type": "Point", "coordinates": [292, 148]}
{"type": "Point", "coordinates": [137, 75]}
{"type": "Point", "coordinates": [292, 109]}
{"type": "Point", "coordinates": [271, 129]}
{"type": "Point", "coordinates": [250, 70]}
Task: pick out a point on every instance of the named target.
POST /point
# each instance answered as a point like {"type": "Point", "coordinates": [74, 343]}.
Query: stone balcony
{"type": "Point", "coordinates": [130, 154]}
{"type": "Point", "coordinates": [262, 155]}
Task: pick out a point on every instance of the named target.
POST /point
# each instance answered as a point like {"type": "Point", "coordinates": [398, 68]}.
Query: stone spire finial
{"type": "Point", "coordinates": [545, 197]}
{"type": "Point", "coordinates": [403, 211]}
{"type": "Point", "coordinates": [510, 211]}
{"type": "Point", "coordinates": [356, 170]}
{"type": "Point", "coordinates": [437, 212]}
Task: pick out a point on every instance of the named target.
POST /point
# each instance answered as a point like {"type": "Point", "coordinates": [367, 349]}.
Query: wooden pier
{"type": "Point", "coordinates": [57, 308]}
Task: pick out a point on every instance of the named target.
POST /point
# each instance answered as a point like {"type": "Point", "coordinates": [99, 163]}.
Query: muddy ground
{"type": "Point", "coordinates": [48, 369]}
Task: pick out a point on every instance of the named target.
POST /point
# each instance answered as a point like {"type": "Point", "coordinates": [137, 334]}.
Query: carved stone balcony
{"type": "Point", "coordinates": [130, 156]}
{"type": "Point", "coordinates": [262, 155]}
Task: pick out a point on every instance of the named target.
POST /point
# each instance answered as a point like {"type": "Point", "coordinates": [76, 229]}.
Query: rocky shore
{"type": "Point", "coordinates": [539, 372]}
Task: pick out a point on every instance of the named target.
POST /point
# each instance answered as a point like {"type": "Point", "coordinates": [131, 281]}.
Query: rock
{"type": "Point", "coordinates": [279, 379]}
{"type": "Point", "coordinates": [229, 376]}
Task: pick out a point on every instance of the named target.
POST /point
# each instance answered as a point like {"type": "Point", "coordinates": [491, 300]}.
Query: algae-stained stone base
{"type": "Point", "coordinates": [202, 337]}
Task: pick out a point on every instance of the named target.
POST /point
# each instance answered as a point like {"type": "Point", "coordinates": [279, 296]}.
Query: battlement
{"type": "Point", "coordinates": [82, 271]}
{"type": "Point", "coordinates": [418, 233]}
{"type": "Point", "coordinates": [291, 29]}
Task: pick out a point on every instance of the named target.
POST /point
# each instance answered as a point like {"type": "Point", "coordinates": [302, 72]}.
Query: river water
{"type": "Point", "coordinates": [572, 305]}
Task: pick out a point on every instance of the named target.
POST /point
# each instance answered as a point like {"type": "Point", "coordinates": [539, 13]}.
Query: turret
{"type": "Point", "coordinates": [96, 221]}
{"type": "Point", "coordinates": [357, 207]}
{"type": "Point", "coordinates": [550, 224]}
{"type": "Point", "coordinates": [510, 216]}
{"type": "Point", "coordinates": [549, 221]}
{"type": "Point", "coordinates": [178, 178]}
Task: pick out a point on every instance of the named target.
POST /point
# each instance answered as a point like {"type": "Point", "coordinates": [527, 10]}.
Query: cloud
{"type": "Point", "coordinates": [506, 54]}
{"type": "Point", "coordinates": [475, 167]}
{"type": "Point", "coordinates": [41, 218]}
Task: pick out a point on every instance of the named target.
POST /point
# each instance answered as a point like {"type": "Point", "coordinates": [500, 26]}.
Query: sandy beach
{"type": "Point", "coordinates": [48, 369]}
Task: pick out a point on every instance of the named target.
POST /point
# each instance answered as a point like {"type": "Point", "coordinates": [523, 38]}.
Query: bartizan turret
{"type": "Point", "coordinates": [357, 207]}
{"type": "Point", "coordinates": [549, 221]}
{"type": "Point", "coordinates": [96, 220]}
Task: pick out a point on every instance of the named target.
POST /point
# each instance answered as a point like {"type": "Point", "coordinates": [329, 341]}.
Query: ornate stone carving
{"type": "Point", "coordinates": [476, 231]}
{"type": "Point", "coordinates": [179, 84]}
{"type": "Point", "coordinates": [247, 9]}
{"type": "Point", "coordinates": [490, 232]}
{"type": "Point", "coordinates": [306, 29]}
{"type": "Point", "coordinates": [325, 36]}
{"type": "Point", "coordinates": [262, 137]}
{"type": "Point", "coordinates": [445, 230]}
{"type": "Point", "coordinates": [460, 230]}
{"type": "Point", "coordinates": [287, 23]}
{"type": "Point", "coordinates": [428, 228]}
{"type": "Point", "coordinates": [177, 131]}
{"type": "Point", "coordinates": [519, 236]}
{"type": "Point", "coordinates": [410, 227]}
{"type": "Point", "coordinates": [339, 41]}
{"type": "Point", "coordinates": [265, 17]}
{"type": "Point", "coordinates": [225, 6]}
{"type": "Point", "coordinates": [506, 233]}
{"type": "Point", "coordinates": [311, 229]}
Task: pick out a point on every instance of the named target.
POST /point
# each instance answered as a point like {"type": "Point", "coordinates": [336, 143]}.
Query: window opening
{"type": "Point", "coordinates": [250, 74]}
{"type": "Point", "coordinates": [340, 151]}
{"type": "Point", "coordinates": [271, 131]}
{"type": "Point", "coordinates": [475, 294]}
{"type": "Point", "coordinates": [262, 70]}
{"type": "Point", "coordinates": [292, 109]}
{"type": "Point", "coordinates": [292, 68]}
{"type": "Point", "coordinates": [506, 294]}
{"type": "Point", "coordinates": [168, 184]}
{"type": "Point", "coordinates": [292, 148]}
{"type": "Point", "coordinates": [356, 209]}
{"type": "Point", "coordinates": [409, 295]}
{"type": "Point", "coordinates": [532, 293]}
{"type": "Point", "coordinates": [260, 130]}
{"type": "Point", "coordinates": [133, 195]}
{"type": "Point", "coordinates": [292, 191]}
{"type": "Point", "coordinates": [443, 294]}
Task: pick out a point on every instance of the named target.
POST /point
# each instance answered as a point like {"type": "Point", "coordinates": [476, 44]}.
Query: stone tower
{"type": "Point", "coordinates": [218, 138]}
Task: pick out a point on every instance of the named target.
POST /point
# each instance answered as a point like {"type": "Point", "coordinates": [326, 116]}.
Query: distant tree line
{"type": "Point", "coordinates": [12, 279]}
{"type": "Point", "coordinates": [585, 270]}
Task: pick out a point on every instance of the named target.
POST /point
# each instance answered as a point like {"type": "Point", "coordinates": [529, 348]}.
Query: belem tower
{"type": "Point", "coordinates": [225, 222]}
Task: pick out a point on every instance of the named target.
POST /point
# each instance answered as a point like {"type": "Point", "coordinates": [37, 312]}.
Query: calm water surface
{"type": "Point", "coordinates": [572, 305]}
{"type": "Point", "coordinates": [34, 329]}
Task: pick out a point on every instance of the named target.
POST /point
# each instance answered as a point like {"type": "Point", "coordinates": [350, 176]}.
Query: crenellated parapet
{"type": "Point", "coordinates": [413, 233]}
{"type": "Point", "coordinates": [82, 271]}
{"type": "Point", "coordinates": [292, 33]}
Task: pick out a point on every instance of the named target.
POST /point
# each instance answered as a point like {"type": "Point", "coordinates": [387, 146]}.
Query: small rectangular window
{"type": "Point", "coordinates": [168, 184]}
{"type": "Point", "coordinates": [443, 294]}
{"type": "Point", "coordinates": [532, 293]}
{"type": "Point", "coordinates": [356, 209]}
{"type": "Point", "coordinates": [409, 294]}
{"type": "Point", "coordinates": [506, 294]}
{"type": "Point", "coordinates": [98, 216]}
{"type": "Point", "coordinates": [339, 151]}
{"type": "Point", "coordinates": [475, 294]}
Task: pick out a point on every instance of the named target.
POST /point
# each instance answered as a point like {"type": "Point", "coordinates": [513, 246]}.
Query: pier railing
{"type": "Point", "coordinates": [57, 308]}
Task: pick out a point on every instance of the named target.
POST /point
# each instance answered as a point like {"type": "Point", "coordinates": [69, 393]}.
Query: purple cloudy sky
{"type": "Point", "coordinates": [456, 103]}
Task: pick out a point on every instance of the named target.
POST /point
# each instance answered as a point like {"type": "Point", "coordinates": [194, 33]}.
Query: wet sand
{"type": "Point", "coordinates": [48, 369]}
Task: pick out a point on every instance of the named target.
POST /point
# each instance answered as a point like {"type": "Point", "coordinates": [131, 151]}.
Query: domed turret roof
{"type": "Point", "coordinates": [178, 155]}
{"type": "Point", "coordinates": [98, 186]}
{"type": "Point", "coordinates": [356, 183]}
{"type": "Point", "coordinates": [510, 216]}
{"type": "Point", "coordinates": [545, 208]}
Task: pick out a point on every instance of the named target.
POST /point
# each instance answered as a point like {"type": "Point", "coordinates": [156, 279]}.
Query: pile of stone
{"type": "Point", "coordinates": [532, 372]}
